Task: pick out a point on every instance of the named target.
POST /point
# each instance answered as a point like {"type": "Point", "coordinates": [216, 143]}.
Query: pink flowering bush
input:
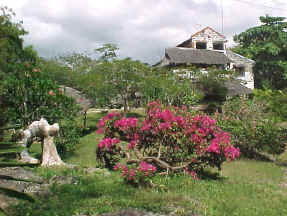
{"type": "Point", "coordinates": [167, 140]}
{"type": "Point", "coordinates": [136, 175]}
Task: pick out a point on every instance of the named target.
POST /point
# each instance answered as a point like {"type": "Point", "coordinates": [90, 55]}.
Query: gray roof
{"type": "Point", "coordinates": [178, 55]}
{"type": "Point", "coordinates": [234, 87]}
{"type": "Point", "coordinates": [237, 59]}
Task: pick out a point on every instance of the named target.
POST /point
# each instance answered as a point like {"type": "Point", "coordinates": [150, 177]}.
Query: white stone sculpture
{"type": "Point", "coordinates": [46, 133]}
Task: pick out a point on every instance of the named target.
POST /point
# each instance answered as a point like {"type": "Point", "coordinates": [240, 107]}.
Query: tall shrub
{"type": "Point", "coordinates": [250, 128]}
{"type": "Point", "coordinates": [168, 140]}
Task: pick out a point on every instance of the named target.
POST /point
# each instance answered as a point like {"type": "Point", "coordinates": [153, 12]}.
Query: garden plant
{"type": "Point", "coordinates": [168, 140]}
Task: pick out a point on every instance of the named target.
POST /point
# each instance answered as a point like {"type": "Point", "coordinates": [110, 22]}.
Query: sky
{"type": "Point", "coordinates": [142, 29]}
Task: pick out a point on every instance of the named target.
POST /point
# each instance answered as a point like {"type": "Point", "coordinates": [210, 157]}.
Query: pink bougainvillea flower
{"type": "Point", "coordinates": [192, 173]}
{"type": "Point", "coordinates": [113, 114]}
{"type": "Point", "coordinates": [132, 144]}
{"type": "Point", "coordinates": [100, 131]}
{"type": "Point", "coordinates": [224, 137]}
{"type": "Point", "coordinates": [164, 126]}
{"type": "Point", "coordinates": [101, 123]}
{"type": "Point", "coordinates": [231, 152]}
{"type": "Point", "coordinates": [146, 168]}
{"type": "Point", "coordinates": [180, 121]}
{"type": "Point", "coordinates": [108, 143]}
{"type": "Point", "coordinates": [126, 123]}
{"type": "Point", "coordinates": [214, 146]}
{"type": "Point", "coordinates": [202, 132]}
{"type": "Point", "coordinates": [146, 126]}
{"type": "Point", "coordinates": [195, 138]}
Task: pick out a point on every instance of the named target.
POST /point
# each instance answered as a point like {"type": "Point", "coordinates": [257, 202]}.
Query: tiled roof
{"type": "Point", "coordinates": [177, 55]}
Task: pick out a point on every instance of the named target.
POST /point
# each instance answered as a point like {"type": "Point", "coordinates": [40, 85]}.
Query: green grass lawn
{"type": "Point", "coordinates": [243, 187]}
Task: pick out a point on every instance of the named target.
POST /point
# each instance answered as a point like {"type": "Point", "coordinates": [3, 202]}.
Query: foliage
{"type": "Point", "coordinates": [110, 80]}
{"type": "Point", "coordinates": [267, 45]}
{"type": "Point", "coordinates": [213, 81]}
{"type": "Point", "coordinates": [59, 73]}
{"type": "Point", "coordinates": [170, 139]}
{"type": "Point", "coordinates": [27, 92]}
{"type": "Point", "coordinates": [29, 95]}
{"type": "Point", "coordinates": [275, 102]}
{"type": "Point", "coordinates": [12, 51]}
{"type": "Point", "coordinates": [136, 175]}
{"type": "Point", "coordinates": [250, 128]}
{"type": "Point", "coordinates": [175, 87]}
{"type": "Point", "coordinates": [69, 136]}
{"type": "Point", "coordinates": [108, 51]}
{"type": "Point", "coordinates": [11, 42]}
{"type": "Point", "coordinates": [170, 88]}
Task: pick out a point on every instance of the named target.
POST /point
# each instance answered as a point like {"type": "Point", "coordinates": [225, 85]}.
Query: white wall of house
{"type": "Point", "coordinates": [247, 64]}
{"type": "Point", "coordinates": [248, 80]}
{"type": "Point", "coordinates": [209, 37]}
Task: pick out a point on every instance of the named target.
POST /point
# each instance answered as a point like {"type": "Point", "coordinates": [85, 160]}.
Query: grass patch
{"type": "Point", "coordinates": [230, 195]}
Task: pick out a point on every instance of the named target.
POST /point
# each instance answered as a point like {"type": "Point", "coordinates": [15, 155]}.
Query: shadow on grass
{"type": "Point", "coordinates": [281, 163]}
{"type": "Point", "coordinates": [209, 175]}
{"type": "Point", "coordinates": [134, 115]}
{"type": "Point", "coordinates": [253, 155]}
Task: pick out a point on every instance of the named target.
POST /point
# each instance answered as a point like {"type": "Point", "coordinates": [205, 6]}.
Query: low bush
{"type": "Point", "coordinates": [275, 102]}
{"type": "Point", "coordinates": [69, 137]}
{"type": "Point", "coordinates": [168, 140]}
{"type": "Point", "coordinates": [250, 128]}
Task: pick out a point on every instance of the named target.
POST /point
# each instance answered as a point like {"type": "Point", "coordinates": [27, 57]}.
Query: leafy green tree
{"type": "Point", "coordinates": [170, 88]}
{"type": "Point", "coordinates": [108, 52]}
{"type": "Point", "coordinates": [30, 95]}
{"type": "Point", "coordinates": [27, 91]}
{"type": "Point", "coordinates": [117, 79]}
{"type": "Point", "coordinates": [213, 82]}
{"type": "Point", "coordinates": [58, 72]}
{"type": "Point", "coordinates": [11, 42]}
{"type": "Point", "coordinates": [267, 45]}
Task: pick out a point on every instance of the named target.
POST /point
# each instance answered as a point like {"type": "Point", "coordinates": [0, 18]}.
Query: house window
{"type": "Point", "coordinates": [218, 46]}
{"type": "Point", "coordinates": [240, 71]}
{"type": "Point", "coordinates": [201, 45]}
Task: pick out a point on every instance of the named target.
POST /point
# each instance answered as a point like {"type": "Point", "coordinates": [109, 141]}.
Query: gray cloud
{"type": "Point", "coordinates": [142, 29]}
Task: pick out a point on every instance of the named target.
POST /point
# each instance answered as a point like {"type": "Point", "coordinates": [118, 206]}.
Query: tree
{"type": "Point", "coordinates": [119, 79]}
{"type": "Point", "coordinates": [27, 92]}
{"type": "Point", "coordinates": [108, 51]}
{"type": "Point", "coordinates": [12, 49]}
{"type": "Point", "coordinates": [170, 88]}
{"type": "Point", "coordinates": [267, 45]}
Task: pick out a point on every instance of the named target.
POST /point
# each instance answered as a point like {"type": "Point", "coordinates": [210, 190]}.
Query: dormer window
{"type": "Point", "coordinates": [201, 45]}
{"type": "Point", "coordinates": [218, 46]}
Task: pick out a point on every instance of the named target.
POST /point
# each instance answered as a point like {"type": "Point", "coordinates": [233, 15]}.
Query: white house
{"type": "Point", "coordinates": [208, 48]}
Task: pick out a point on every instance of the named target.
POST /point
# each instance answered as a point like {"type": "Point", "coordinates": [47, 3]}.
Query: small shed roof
{"type": "Point", "coordinates": [178, 55]}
